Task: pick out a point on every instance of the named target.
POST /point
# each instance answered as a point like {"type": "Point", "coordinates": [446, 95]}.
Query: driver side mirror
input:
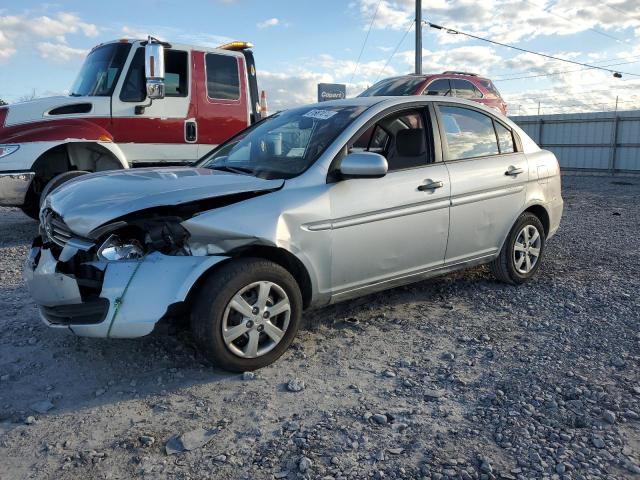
{"type": "Point", "coordinates": [363, 165]}
{"type": "Point", "coordinates": [154, 69]}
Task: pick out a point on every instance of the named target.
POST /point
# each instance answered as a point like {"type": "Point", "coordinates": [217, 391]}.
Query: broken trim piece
{"type": "Point", "coordinates": [118, 301]}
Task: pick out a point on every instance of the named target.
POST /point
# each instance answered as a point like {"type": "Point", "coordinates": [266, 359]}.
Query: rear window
{"type": "Point", "coordinates": [223, 78]}
{"type": "Point", "coordinates": [394, 87]}
{"type": "Point", "coordinates": [488, 84]}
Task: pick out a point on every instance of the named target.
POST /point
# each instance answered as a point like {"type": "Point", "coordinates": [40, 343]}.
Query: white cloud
{"type": "Point", "coordinates": [59, 52]}
{"type": "Point", "coordinates": [508, 20]}
{"type": "Point", "coordinates": [476, 59]}
{"type": "Point", "coordinates": [287, 90]}
{"type": "Point", "coordinates": [25, 30]}
{"type": "Point", "coordinates": [270, 22]}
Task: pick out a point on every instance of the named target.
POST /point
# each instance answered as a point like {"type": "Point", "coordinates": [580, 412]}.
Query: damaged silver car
{"type": "Point", "coordinates": [309, 207]}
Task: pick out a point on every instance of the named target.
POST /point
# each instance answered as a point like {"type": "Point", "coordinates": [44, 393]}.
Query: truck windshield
{"type": "Point", "coordinates": [100, 71]}
{"type": "Point", "coordinates": [284, 145]}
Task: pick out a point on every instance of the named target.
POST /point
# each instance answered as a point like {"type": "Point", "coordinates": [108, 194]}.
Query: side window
{"type": "Point", "coordinates": [400, 137]}
{"type": "Point", "coordinates": [134, 87]}
{"type": "Point", "coordinates": [176, 78]}
{"type": "Point", "coordinates": [488, 84]}
{"type": "Point", "coordinates": [375, 140]}
{"type": "Point", "coordinates": [468, 133]}
{"type": "Point", "coordinates": [439, 87]}
{"type": "Point", "coordinates": [505, 138]}
{"type": "Point", "coordinates": [465, 89]}
{"type": "Point", "coordinates": [223, 79]}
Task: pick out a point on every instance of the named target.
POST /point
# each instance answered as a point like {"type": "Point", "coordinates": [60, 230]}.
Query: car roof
{"type": "Point", "coordinates": [390, 101]}
{"type": "Point", "coordinates": [427, 76]}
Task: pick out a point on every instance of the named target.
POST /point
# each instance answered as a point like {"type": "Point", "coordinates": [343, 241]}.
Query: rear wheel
{"type": "Point", "coordinates": [246, 314]}
{"type": "Point", "coordinates": [521, 253]}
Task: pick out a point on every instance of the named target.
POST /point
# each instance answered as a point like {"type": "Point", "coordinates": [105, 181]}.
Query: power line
{"type": "Point", "coordinates": [457, 32]}
{"type": "Point", "coordinates": [599, 62]}
{"type": "Point", "coordinates": [616, 88]}
{"type": "Point", "coordinates": [559, 73]}
{"type": "Point", "coordinates": [626, 12]}
{"type": "Point", "coordinates": [365, 40]}
{"type": "Point", "coordinates": [599, 32]}
{"type": "Point", "coordinates": [395, 51]}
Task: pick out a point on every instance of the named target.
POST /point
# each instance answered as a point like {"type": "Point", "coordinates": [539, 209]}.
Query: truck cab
{"type": "Point", "coordinates": [134, 103]}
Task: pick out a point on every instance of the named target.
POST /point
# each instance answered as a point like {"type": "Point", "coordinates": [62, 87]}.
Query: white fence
{"type": "Point", "coordinates": [601, 141]}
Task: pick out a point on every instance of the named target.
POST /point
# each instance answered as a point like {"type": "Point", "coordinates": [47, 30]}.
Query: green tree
{"type": "Point", "coordinates": [2, 102]}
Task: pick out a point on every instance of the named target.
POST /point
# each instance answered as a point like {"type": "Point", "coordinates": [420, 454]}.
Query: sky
{"type": "Point", "coordinates": [299, 43]}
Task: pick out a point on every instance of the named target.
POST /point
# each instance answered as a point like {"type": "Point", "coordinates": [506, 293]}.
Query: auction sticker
{"type": "Point", "coordinates": [320, 114]}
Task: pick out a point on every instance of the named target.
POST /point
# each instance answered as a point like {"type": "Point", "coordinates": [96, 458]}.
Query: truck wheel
{"type": "Point", "coordinates": [521, 253]}
{"type": "Point", "coordinates": [31, 209]}
{"type": "Point", "coordinates": [58, 180]}
{"type": "Point", "coordinates": [246, 314]}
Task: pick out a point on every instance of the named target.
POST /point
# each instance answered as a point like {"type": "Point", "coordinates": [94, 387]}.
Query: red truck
{"type": "Point", "coordinates": [135, 103]}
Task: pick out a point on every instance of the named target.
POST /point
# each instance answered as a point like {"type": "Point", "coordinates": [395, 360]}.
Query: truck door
{"type": "Point", "coordinates": [162, 132]}
{"type": "Point", "coordinates": [222, 98]}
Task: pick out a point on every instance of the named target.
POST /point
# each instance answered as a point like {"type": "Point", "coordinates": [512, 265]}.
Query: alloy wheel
{"type": "Point", "coordinates": [526, 249]}
{"type": "Point", "coordinates": [256, 319]}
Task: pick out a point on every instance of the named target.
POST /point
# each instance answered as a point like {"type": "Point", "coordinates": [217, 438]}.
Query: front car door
{"type": "Point", "coordinates": [488, 173]}
{"type": "Point", "coordinates": [391, 228]}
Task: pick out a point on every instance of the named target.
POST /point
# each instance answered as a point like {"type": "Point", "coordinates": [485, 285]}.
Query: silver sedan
{"type": "Point", "coordinates": [309, 207]}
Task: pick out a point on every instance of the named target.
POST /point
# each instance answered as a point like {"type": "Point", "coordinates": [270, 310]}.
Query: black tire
{"type": "Point", "coordinates": [58, 180]}
{"type": "Point", "coordinates": [215, 294]}
{"type": "Point", "coordinates": [31, 210]}
{"type": "Point", "coordinates": [503, 266]}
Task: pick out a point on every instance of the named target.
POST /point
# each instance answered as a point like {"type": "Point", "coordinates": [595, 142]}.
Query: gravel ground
{"type": "Point", "coordinates": [457, 377]}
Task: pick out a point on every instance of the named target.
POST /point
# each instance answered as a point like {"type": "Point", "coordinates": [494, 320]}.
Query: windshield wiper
{"type": "Point", "coordinates": [227, 168]}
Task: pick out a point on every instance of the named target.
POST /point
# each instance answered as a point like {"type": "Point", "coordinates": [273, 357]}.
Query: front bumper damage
{"type": "Point", "coordinates": [134, 294]}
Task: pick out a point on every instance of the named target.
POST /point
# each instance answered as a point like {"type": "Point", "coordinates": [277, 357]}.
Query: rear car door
{"type": "Point", "coordinates": [488, 173]}
{"type": "Point", "coordinates": [397, 225]}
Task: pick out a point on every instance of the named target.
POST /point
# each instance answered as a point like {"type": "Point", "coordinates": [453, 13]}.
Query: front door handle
{"type": "Point", "coordinates": [513, 171]}
{"type": "Point", "coordinates": [430, 185]}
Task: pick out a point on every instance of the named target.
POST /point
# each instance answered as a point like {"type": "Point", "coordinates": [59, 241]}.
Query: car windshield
{"type": "Point", "coordinates": [100, 71]}
{"type": "Point", "coordinates": [395, 87]}
{"type": "Point", "coordinates": [285, 144]}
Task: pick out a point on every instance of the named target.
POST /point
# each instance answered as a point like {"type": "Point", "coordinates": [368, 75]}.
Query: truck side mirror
{"type": "Point", "coordinates": [154, 69]}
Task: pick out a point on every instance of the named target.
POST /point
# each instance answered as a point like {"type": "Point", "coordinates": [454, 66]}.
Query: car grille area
{"type": "Point", "coordinates": [55, 230]}
{"type": "Point", "coordinates": [87, 313]}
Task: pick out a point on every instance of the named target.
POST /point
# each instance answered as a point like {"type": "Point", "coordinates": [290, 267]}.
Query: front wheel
{"type": "Point", "coordinates": [246, 314]}
{"type": "Point", "coordinates": [521, 253]}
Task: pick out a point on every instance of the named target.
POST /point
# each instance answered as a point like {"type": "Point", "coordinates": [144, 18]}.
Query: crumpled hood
{"type": "Point", "coordinates": [90, 201]}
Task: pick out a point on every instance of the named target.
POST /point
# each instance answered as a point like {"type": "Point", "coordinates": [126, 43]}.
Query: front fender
{"type": "Point", "coordinates": [60, 131]}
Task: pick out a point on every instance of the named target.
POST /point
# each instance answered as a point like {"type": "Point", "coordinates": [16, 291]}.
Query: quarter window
{"type": "Point", "coordinates": [400, 137]}
{"type": "Point", "coordinates": [468, 133]}
{"type": "Point", "coordinates": [439, 87]}
{"type": "Point", "coordinates": [223, 79]}
{"type": "Point", "coordinates": [465, 89]}
{"type": "Point", "coordinates": [505, 138]}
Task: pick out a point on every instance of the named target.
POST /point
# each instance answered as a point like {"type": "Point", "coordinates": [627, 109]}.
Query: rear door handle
{"type": "Point", "coordinates": [430, 185]}
{"type": "Point", "coordinates": [513, 171]}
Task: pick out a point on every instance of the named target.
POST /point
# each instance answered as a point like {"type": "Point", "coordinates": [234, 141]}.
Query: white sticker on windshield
{"type": "Point", "coordinates": [320, 114]}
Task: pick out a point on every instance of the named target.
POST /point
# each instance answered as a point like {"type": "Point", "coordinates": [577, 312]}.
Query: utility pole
{"type": "Point", "coordinates": [418, 37]}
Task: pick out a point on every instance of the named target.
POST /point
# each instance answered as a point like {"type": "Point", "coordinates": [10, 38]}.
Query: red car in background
{"type": "Point", "coordinates": [447, 84]}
